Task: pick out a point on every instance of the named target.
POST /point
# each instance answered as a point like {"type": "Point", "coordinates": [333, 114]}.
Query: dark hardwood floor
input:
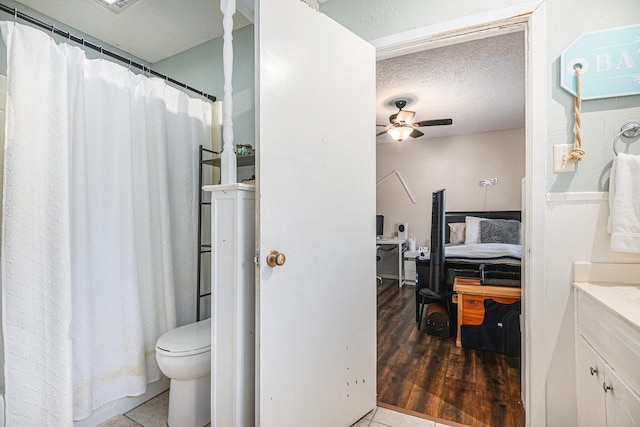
{"type": "Point", "coordinates": [424, 374]}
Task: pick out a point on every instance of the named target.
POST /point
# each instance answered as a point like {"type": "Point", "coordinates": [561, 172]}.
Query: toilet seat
{"type": "Point", "coordinates": [187, 340]}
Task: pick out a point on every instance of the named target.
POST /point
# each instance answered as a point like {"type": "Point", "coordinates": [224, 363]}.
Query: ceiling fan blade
{"type": "Point", "coordinates": [381, 133]}
{"type": "Point", "coordinates": [405, 116]}
{"type": "Point", "coordinates": [440, 122]}
{"type": "Point", "coordinates": [416, 134]}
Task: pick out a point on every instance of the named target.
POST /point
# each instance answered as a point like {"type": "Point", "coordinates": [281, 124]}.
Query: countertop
{"type": "Point", "coordinates": [615, 286]}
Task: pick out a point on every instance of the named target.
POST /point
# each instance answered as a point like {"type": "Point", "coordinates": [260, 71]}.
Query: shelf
{"type": "Point", "coordinates": [241, 161]}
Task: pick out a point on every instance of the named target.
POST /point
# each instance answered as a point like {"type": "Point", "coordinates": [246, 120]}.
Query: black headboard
{"type": "Point", "coordinates": [452, 217]}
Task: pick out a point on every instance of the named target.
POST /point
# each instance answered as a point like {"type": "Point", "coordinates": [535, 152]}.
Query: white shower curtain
{"type": "Point", "coordinates": [100, 205]}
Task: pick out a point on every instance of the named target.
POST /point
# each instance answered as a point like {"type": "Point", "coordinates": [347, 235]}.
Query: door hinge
{"type": "Point", "coordinates": [256, 260]}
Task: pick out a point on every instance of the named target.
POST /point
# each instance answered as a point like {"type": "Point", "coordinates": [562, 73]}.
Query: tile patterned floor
{"type": "Point", "coordinates": [153, 413]}
{"type": "Point", "coordinates": [382, 417]}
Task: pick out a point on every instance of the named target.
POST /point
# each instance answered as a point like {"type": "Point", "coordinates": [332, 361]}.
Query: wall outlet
{"type": "Point", "coordinates": [488, 181]}
{"type": "Point", "coordinates": [560, 153]}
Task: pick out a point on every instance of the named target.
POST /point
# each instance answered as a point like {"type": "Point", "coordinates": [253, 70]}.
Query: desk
{"type": "Point", "coordinates": [400, 244]}
{"type": "Point", "coordinates": [471, 298]}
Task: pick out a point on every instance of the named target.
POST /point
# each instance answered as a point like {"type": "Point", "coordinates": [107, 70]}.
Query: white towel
{"type": "Point", "coordinates": [624, 203]}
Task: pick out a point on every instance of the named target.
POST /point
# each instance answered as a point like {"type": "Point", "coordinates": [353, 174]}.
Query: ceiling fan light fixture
{"type": "Point", "coordinates": [405, 116]}
{"type": "Point", "coordinates": [400, 133]}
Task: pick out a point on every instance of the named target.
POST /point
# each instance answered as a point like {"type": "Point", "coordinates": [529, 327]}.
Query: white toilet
{"type": "Point", "coordinates": [184, 356]}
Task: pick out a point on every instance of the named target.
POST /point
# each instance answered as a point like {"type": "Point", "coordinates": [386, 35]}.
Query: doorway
{"type": "Point", "coordinates": [533, 192]}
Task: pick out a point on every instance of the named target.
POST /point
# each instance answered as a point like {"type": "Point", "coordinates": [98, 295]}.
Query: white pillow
{"type": "Point", "coordinates": [472, 232]}
{"type": "Point", "coordinates": [457, 233]}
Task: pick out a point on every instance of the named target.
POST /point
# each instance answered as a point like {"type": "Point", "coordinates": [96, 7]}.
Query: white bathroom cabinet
{"type": "Point", "coordinates": [608, 367]}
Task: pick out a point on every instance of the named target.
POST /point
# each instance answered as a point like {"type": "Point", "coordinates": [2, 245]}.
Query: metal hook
{"type": "Point", "coordinates": [129, 64]}
{"type": "Point", "coordinates": [53, 29]}
{"type": "Point", "coordinates": [100, 52]}
{"type": "Point", "coordinates": [15, 15]}
{"type": "Point", "coordinates": [630, 130]}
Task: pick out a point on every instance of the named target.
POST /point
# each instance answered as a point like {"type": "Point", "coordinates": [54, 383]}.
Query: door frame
{"type": "Point", "coordinates": [530, 18]}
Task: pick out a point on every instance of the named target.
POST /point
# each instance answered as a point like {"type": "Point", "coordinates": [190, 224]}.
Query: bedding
{"type": "Point", "coordinates": [484, 252]}
{"type": "Point", "coordinates": [457, 233]}
{"type": "Point", "coordinates": [494, 253]}
{"type": "Point", "coordinates": [472, 233]}
{"type": "Point", "coordinates": [500, 231]}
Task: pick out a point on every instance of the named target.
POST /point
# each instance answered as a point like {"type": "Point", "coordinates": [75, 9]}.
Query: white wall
{"type": "Point", "coordinates": [456, 164]}
{"type": "Point", "coordinates": [201, 67]}
{"type": "Point", "coordinates": [577, 231]}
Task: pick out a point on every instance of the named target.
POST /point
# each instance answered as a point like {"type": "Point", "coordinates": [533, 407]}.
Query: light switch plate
{"type": "Point", "coordinates": [561, 151]}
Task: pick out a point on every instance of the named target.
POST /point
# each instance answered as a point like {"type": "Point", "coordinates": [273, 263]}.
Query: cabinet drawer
{"type": "Point", "coordinates": [613, 338]}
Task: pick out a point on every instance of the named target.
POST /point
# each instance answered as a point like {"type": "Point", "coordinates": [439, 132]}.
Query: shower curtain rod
{"type": "Point", "coordinates": [17, 14]}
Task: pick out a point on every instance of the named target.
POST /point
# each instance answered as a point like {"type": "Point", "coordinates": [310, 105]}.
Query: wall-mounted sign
{"type": "Point", "coordinates": [610, 62]}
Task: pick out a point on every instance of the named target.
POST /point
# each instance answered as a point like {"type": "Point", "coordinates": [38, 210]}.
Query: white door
{"type": "Point", "coordinates": [316, 314]}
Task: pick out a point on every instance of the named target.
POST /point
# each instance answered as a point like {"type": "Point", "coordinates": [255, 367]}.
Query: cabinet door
{"type": "Point", "coordinates": [591, 374]}
{"type": "Point", "coordinates": [623, 405]}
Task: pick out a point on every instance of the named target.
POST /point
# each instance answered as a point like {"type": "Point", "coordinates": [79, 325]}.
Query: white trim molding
{"type": "Point", "coordinates": [404, 184]}
{"type": "Point", "coordinates": [592, 196]}
{"type": "Point", "coordinates": [468, 28]}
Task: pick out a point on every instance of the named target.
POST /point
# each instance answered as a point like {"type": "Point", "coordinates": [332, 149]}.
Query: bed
{"type": "Point", "coordinates": [491, 252]}
{"type": "Point", "coordinates": [496, 259]}
{"type": "Point", "coordinates": [494, 254]}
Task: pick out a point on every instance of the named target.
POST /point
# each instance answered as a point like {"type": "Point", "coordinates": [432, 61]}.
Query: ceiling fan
{"type": "Point", "coordinates": [401, 125]}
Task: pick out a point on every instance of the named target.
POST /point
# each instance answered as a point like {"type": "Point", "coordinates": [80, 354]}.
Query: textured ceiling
{"type": "Point", "coordinates": [479, 84]}
{"type": "Point", "coordinates": [149, 29]}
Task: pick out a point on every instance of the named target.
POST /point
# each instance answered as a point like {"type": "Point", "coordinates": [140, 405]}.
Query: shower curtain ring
{"type": "Point", "coordinates": [15, 15]}
{"type": "Point", "coordinates": [129, 64]}
{"type": "Point", "coordinates": [53, 29]}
